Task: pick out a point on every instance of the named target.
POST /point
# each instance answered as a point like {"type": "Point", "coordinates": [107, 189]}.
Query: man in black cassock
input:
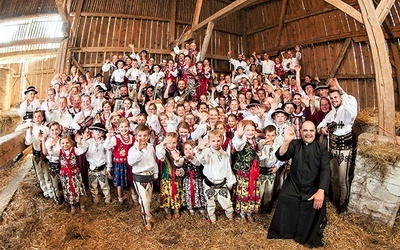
{"type": "Point", "coordinates": [301, 210]}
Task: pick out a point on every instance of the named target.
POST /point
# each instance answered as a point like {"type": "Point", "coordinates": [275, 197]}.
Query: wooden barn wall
{"type": "Point", "coordinates": [15, 8]}
{"type": "Point", "coordinates": [107, 29]}
{"type": "Point", "coordinates": [320, 30]}
{"type": "Point", "coordinates": [35, 72]}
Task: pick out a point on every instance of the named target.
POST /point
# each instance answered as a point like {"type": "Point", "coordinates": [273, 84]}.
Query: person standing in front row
{"type": "Point", "coordinates": [340, 119]}
{"type": "Point", "coordinates": [301, 210]}
{"type": "Point", "coordinates": [218, 175]}
{"type": "Point", "coordinates": [142, 158]}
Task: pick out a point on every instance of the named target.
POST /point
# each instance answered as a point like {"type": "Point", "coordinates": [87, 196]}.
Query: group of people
{"type": "Point", "coordinates": [201, 137]}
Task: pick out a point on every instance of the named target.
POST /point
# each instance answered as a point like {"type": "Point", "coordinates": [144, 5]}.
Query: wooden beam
{"type": "Point", "coordinates": [297, 18]}
{"type": "Point", "coordinates": [10, 146]}
{"type": "Point", "coordinates": [80, 68]}
{"type": "Point", "coordinates": [32, 42]}
{"type": "Point", "coordinates": [339, 59]}
{"type": "Point", "coordinates": [206, 40]}
{"type": "Point", "coordinates": [380, 57]}
{"type": "Point", "coordinates": [172, 21]}
{"type": "Point", "coordinates": [383, 9]}
{"type": "Point", "coordinates": [74, 25]}
{"type": "Point", "coordinates": [281, 21]}
{"type": "Point", "coordinates": [62, 11]}
{"type": "Point", "coordinates": [346, 8]}
{"type": "Point", "coordinates": [396, 60]}
{"type": "Point", "coordinates": [24, 17]}
{"type": "Point", "coordinates": [237, 5]}
{"type": "Point", "coordinates": [197, 11]}
{"type": "Point", "coordinates": [28, 53]}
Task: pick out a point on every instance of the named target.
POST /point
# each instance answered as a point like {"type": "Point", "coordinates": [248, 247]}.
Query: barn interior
{"type": "Point", "coordinates": [355, 41]}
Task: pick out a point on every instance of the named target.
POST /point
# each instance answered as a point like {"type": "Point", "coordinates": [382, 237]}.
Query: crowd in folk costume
{"type": "Point", "coordinates": [198, 136]}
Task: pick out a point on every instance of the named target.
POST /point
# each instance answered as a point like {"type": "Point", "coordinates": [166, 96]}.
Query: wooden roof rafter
{"type": "Point", "coordinates": [372, 18]}
{"type": "Point", "coordinates": [234, 6]}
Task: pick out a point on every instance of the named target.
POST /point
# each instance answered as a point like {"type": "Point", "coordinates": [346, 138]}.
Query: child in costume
{"type": "Point", "coordinates": [71, 179]}
{"type": "Point", "coordinates": [247, 170]}
{"type": "Point", "coordinates": [193, 190]}
{"type": "Point", "coordinates": [170, 185]}
{"type": "Point", "coordinates": [218, 175]}
{"type": "Point", "coordinates": [141, 157]}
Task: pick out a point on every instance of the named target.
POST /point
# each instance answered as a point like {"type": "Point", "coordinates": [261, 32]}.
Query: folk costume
{"type": "Point", "coordinates": [218, 176]}
{"type": "Point", "coordinates": [192, 183]}
{"type": "Point", "coordinates": [122, 170]}
{"type": "Point", "coordinates": [170, 185]}
{"type": "Point", "coordinates": [340, 145]}
{"type": "Point", "coordinates": [71, 178]}
{"type": "Point", "coordinates": [294, 217]}
{"type": "Point", "coordinates": [144, 170]}
{"type": "Point", "coordinates": [247, 173]}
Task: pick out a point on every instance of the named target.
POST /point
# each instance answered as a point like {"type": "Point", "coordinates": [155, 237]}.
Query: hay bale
{"type": "Point", "coordinates": [367, 122]}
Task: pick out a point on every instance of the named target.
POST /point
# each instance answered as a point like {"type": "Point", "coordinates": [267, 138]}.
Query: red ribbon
{"type": "Point", "coordinates": [191, 180]}
{"type": "Point", "coordinates": [254, 173]}
{"type": "Point", "coordinates": [173, 183]}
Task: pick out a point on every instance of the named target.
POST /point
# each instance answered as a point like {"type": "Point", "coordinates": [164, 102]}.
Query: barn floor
{"type": "Point", "coordinates": [31, 222]}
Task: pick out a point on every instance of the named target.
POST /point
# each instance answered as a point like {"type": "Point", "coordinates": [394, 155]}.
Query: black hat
{"type": "Point", "coordinates": [98, 126]}
{"type": "Point", "coordinates": [143, 51]}
{"type": "Point", "coordinates": [253, 103]}
{"type": "Point", "coordinates": [116, 63]}
{"type": "Point", "coordinates": [100, 89]}
{"type": "Point", "coordinates": [309, 84]}
{"type": "Point", "coordinates": [279, 110]}
{"type": "Point", "coordinates": [99, 75]}
{"type": "Point", "coordinates": [287, 103]}
{"type": "Point", "coordinates": [322, 85]}
{"type": "Point", "coordinates": [29, 89]}
{"type": "Point", "coordinates": [239, 67]}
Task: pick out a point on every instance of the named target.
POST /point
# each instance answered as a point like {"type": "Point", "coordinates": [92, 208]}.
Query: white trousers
{"type": "Point", "coordinates": [224, 199]}
{"type": "Point", "coordinates": [340, 167]}
{"type": "Point", "coordinates": [96, 179]}
{"type": "Point", "coordinates": [144, 192]}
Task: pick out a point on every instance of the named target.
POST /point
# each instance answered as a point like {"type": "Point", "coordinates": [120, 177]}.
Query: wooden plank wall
{"type": "Point", "coordinates": [26, 8]}
{"type": "Point", "coordinates": [321, 29]}
{"type": "Point", "coordinates": [105, 29]}
{"type": "Point", "coordinates": [36, 72]}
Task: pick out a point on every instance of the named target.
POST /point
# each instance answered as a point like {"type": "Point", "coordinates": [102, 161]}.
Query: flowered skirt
{"type": "Point", "coordinates": [193, 193]}
{"type": "Point", "coordinates": [246, 203]}
{"type": "Point", "coordinates": [73, 188]}
{"type": "Point", "coordinates": [171, 194]}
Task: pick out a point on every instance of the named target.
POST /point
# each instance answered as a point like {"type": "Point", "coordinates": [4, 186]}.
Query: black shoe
{"type": "Point", "coordinates": [18, 157]}
{"type": "Point", "coordinates": [342, 209]}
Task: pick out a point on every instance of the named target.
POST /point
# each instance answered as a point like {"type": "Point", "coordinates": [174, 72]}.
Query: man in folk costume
{"type": "Point", "coordinates": [340, 119]}
{"type": "Point", "coordinates": [301, 210]}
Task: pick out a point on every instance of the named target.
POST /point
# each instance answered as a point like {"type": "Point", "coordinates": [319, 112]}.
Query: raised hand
{"type": "Point", "coordinates": [297, 68]}
{"type": "Point", "coordinates": [297, 48]}
{"type": "Point", "coordinates": [240, 129]}
{"type": "Point", "coordinates": [305, 100]}
{"type": "Point", "coordinates": [175, 155]}
{"type": "Point", "coordinates": [289, 134]}
{"type": "Point", "coordinates": [202, 144]}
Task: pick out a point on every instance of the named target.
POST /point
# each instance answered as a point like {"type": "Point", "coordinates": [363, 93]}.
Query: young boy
{"type": "Point", "coordinates": [100, 162]}
{"type": "Point", "coordinates": [141, 157]}
{"type": "Point", "coordinates": [218, 175]}
{"type": "Point", "coordinates": [269, 165]}
{"type": "Point", "coordinates": [280, 117]}
{"type": "Point", "coordinates": [32, 137]}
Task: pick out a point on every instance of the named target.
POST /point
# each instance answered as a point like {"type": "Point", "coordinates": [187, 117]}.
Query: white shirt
{"type": "Point", "coordinates": [97, 155]}
{"type": "Point", "coordinates": [268, 66]}
{"type": "Point", "coordinates": [33, 139]}
{"type": "Point", "coordinates": [53, 151]}
{"type": "Point", "coordinates": [216, 164]}
{"type": "Point", "coordinates": [143, 160]}
{"type": "Point", "coordinates": [344, 115]}
{"type": "Point", "coordinates": [268, 157]}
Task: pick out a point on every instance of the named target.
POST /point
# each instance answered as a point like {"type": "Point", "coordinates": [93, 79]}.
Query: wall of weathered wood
{"type": "Point", "coordinates": [105, 29]}
{"type": "Point", "coordinates": [37, 72]}
{"type": "Point", "coordinates": [321, 29]}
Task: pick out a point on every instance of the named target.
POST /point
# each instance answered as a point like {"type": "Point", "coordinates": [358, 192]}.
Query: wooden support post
{"type": "Point", "coordinates": [10, 146]}
{"type": "Point", "coordinates": [72, 33]}
{"type": "Point", "coordinates": [380, 56]}
{"type": "Point", "coordinates": [396, 58]}
{"type": "Point", "coordinates": [62, 10]}
{"type": "Point", "coordinates": [281, 22]}
{"type": "Point", "coordinates": [206, 40]}
{"type": "Point", "coordinates": [339, 59]}
{"type": "Point", "coordinates": [172, 22]}
{"type": "Point", "coordinates": [80, 68]}
{"type": "Point", "coordinates": [196, 14]}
